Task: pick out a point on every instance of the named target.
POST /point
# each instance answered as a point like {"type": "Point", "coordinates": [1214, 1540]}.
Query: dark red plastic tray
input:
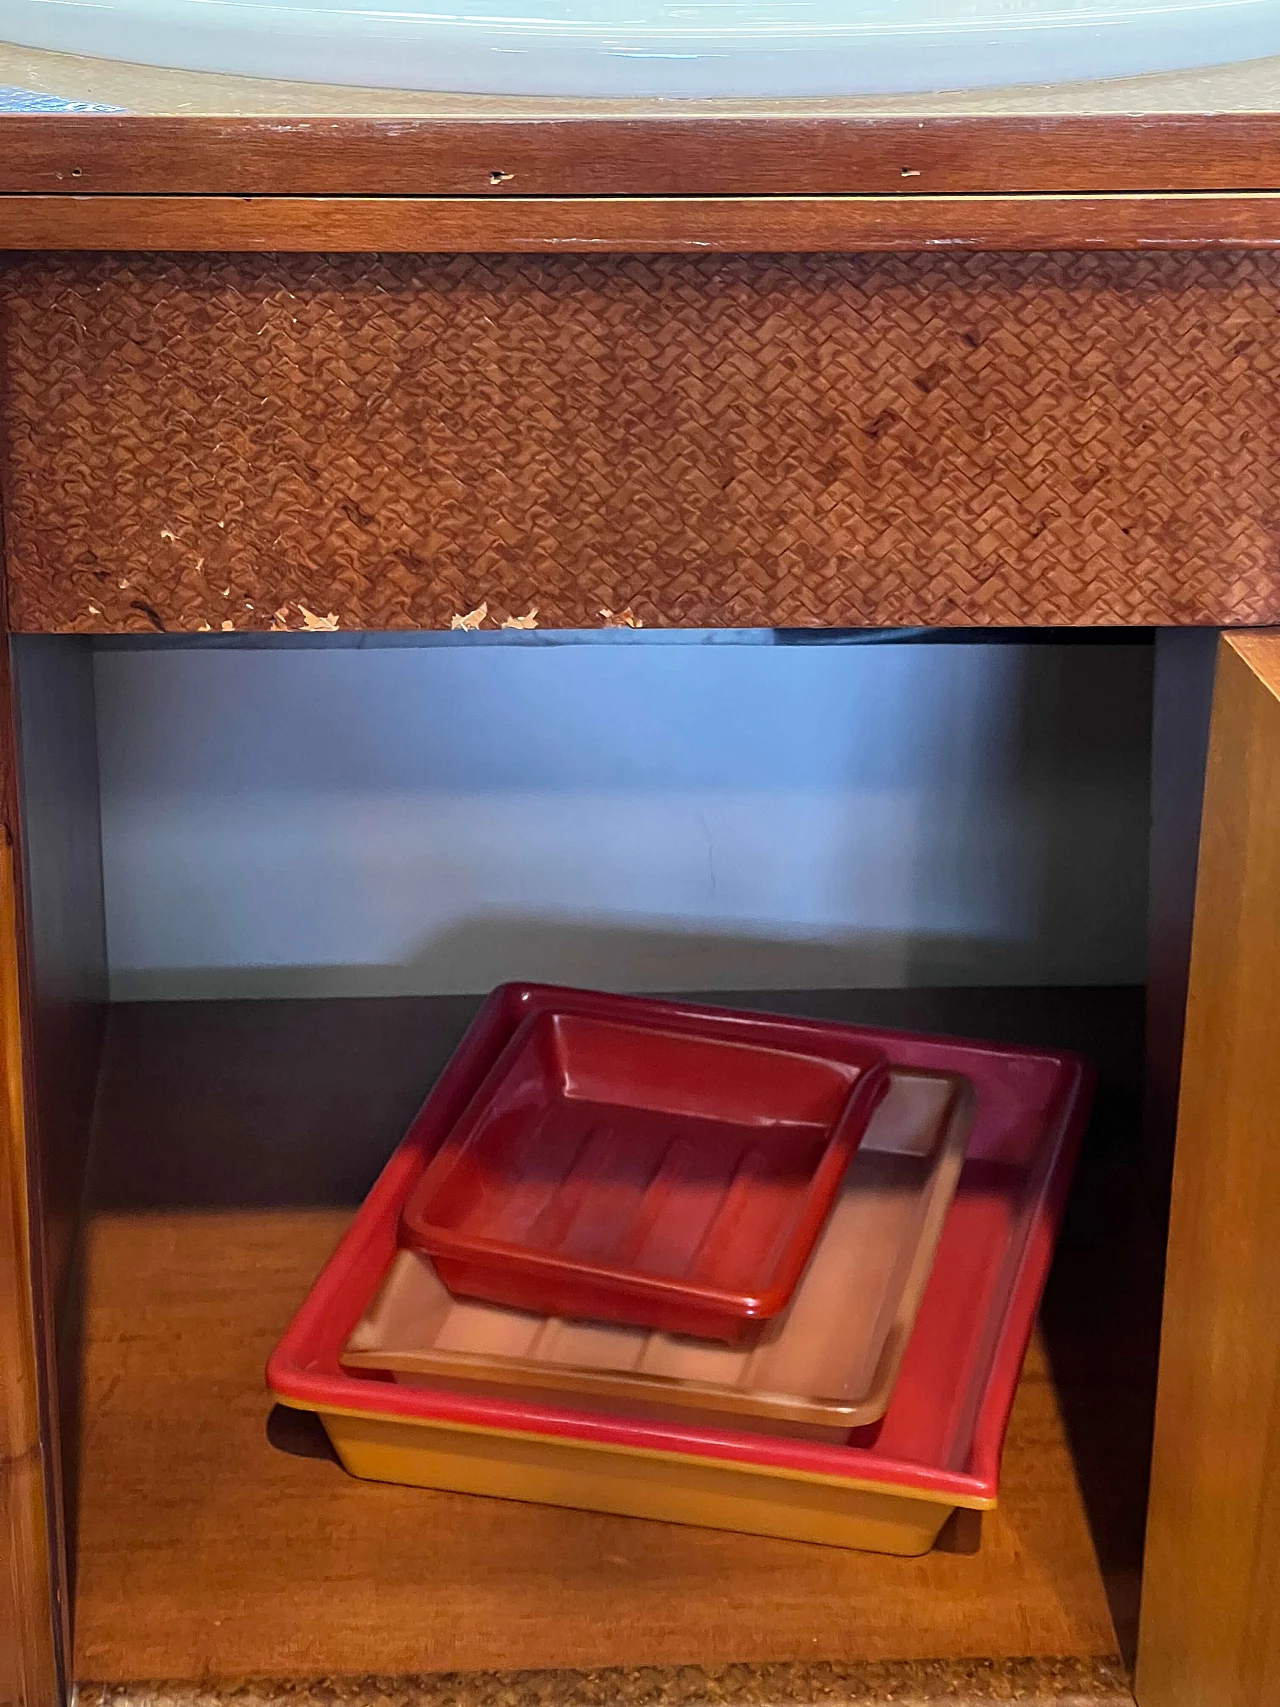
{"type": "Point", "coordinates": [639, 1171]}
{"type": "Point", "coordinates": [945, 1426]}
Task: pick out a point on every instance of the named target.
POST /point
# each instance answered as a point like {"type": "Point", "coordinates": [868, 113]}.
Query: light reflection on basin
{"type": "Point", "coordinates": [677, 48]}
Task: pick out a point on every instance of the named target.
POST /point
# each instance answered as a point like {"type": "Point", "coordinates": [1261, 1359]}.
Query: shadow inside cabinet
{"type": "Point", "coordinates": [210, 1539]}
{"type": "Point", "coordinates": [200, 1511]}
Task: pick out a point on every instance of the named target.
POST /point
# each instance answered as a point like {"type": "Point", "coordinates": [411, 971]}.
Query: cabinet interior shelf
{"type": "Point", "coordinates": [217, 1539]}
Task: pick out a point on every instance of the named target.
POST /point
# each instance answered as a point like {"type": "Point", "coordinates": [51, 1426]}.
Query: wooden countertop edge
{"type": "Point", "coordinates": [625, 224]}
{"type": "Point", "coordinates": [1055, 1682]}
{"type": "Point", "coordinates": [629, 148]}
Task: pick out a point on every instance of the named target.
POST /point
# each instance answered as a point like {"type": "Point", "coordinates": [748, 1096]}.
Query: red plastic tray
{"type": "Point", "coordinates": [943, 1432]}
{"type": "Point", "coordinates": [643, 1173]}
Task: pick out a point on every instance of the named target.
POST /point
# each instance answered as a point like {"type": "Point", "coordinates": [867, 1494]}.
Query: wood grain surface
{"type": "Point", "coordinates": [1210, 1633]}
{"type": "Point", "coordinates": [206, 1552]}
{"type": "Point", "coordinates": [29, 1616]}
{"type": "Point", "coordinates": [232, 1137]}
{"type": "Point", "coordinates": [620, 225]}
{"type": "Point", "coordinates": [764, 149]}
{"type": "Point", "coordinates": [29, 1674]}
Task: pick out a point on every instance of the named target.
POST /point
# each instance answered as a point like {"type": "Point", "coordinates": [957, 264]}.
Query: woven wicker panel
{"type": "Point", "coordinates": [742, 440]}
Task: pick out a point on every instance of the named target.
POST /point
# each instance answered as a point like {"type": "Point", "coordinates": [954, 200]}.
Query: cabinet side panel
{"type": "Point", "coordinates": [1209, 1634]}
{"type": "Point", "coordinates": [60, 835]}
{"type": "Point", "coordinates": [30, 1614]}
{"type": "Point", "coordinates": [62, 943]}
{"type": "Point", "coordinates": [1182, 698]}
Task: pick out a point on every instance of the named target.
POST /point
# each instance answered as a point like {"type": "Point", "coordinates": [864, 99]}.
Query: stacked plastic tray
{"type": "Point", "coordinates": [751, 1272]}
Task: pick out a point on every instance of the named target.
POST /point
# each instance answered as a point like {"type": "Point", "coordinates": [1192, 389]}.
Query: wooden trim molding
{"type": "Point", "coordinates": [1063, 1682]}
{"type": "Point", "coordinates": [516, 148]}
{"type": "Point", "coordinates": [637, 225]}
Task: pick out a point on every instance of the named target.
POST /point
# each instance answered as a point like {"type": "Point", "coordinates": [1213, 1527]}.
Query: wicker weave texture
{"type": "Point", "coordinates": [242, 442]}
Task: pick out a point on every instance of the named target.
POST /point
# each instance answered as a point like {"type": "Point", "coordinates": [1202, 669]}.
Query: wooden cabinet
{"type": "Point", "coordinates": [208, 1539]}
{"type": "Point", "coordinates": [164, 1537]}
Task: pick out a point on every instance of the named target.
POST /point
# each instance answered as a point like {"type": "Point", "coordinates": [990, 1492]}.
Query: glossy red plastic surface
{"type": "Point", "coordinates": [643, 1173]}
{"type": "Point", "coordinates": [945, 1426]}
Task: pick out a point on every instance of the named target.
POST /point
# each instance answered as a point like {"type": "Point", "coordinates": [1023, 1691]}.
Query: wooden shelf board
{"type": "Point", "coordinates": [206, 1552]}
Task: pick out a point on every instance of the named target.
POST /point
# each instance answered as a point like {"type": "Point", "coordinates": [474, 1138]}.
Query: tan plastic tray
{"type": "Point", "coordinates": [827, 1364]}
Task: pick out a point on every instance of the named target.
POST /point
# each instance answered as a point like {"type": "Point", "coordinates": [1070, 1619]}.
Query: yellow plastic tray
{"type": "Point", "coordinates": [589, 1476]}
